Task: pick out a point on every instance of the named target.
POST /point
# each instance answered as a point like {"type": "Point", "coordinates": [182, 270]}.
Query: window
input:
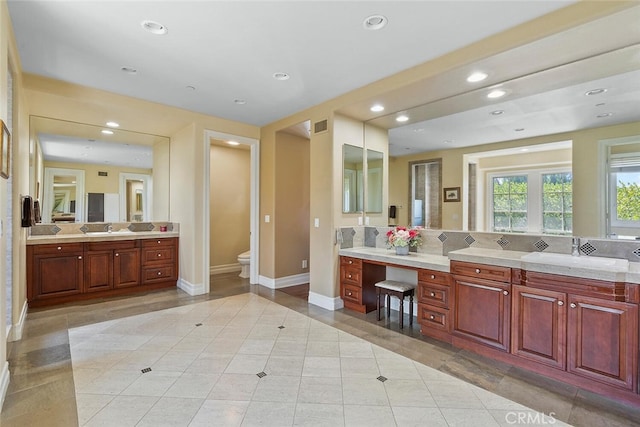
{"type": "Point", "coordinates": [624, 193]}
{"type": "Point", "coordinates": [531, 201]}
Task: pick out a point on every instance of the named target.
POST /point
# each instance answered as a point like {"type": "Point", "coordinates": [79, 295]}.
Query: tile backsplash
{"type": "Point", "coordinates": [79, 227]}
{"type": "Point", "coordinates": [441, 242]}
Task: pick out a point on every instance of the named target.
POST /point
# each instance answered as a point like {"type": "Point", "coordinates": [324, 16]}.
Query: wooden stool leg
{"type": "Point", "coordinates": [378, 301]}
{"type": "Point", "coordinates": [411, 309]}
{"type": "Point", "coordinates": [401, 310]}
{"type": "Point", "coordinates": [387, 301]}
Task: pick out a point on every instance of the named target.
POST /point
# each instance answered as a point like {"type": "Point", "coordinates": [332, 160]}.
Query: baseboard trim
{"type": "Point", "coordinates": [16, 330]}
{"type": "Point", "coordinates": [284, 282]}
{"type": "Point", "coordinates": [325, 302]}
{"type": "Point", "coordinates": [224, 268]}
{"type": "Point", "coordinates": [4, 382]}
{"type": "Point", "coordinates": [190, 288]}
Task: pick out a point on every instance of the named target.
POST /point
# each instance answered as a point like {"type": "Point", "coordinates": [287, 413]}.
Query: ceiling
{"type": "Point", "coordinates": [218, 52]}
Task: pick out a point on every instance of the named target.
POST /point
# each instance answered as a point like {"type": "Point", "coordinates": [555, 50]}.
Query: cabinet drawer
{"type": "Point", "coordinates": [352, 293]}
{"type": "Point", "coordinates": [61, 248]}
{"type": "Point", "coordinates": [432, 276]}
{"type": "Point", "coordinates": [348, 261]}
{"type": "Point", "coordinates": [482, 271]}
{"type": "Point", "coordinates": [154, 243]}
{"type": "Point", "coordinates": [434, 294]}
{"type": "Point", "coordinates": [106, 246]}
{"type": "Point", "coordinates": [159, 255]}
{"type": "Point", "coordinates": [350, 275]}
{"type": "Point", "coordinates": [158, 274]}
{"type": "Point", "coordinates": [433, 317]}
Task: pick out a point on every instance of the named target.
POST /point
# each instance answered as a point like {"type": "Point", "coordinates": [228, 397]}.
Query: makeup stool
{"type": "Point", "coordinates": [397, 289]}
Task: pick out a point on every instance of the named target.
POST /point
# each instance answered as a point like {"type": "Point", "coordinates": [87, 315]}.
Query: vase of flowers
{"type": "Point", "coordinates": [403, 238]}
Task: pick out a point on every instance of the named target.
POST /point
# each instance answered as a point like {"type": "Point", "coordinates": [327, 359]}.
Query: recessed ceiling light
{"type": "Point", "coordinates": [113, 124]}
{"type": "Point", "coordinates": [375, 22]}
{"type": "Point", "coordinates": [600, 116]}
{"type": "Point", "coordinates": [519, 129]}
{"type": "Point", "coordinates": [478, 76]}
{"type": "Point", "coordinates": [496, 93]}
{"type": "Point", "coordinates": [154, 27]}
{"type": "Point", "coordinates": [377, 108]}
{"type": "Point", "coordinates": [402, 118]}
{"type": "Point", "coordinates": [129, 70]}
{"type": "Point", "coordinates": [497, 112]}
{"type": "Point", "coordinates": [240, 101]}
{"type": "Point", "coordinates": [281, 76]}
{"type": "Point", "coordinates": [107, 131]}
{"type": "Point", "coordinates": [595, 92]}
{"type": "Point", "coordinates": [233, 143]}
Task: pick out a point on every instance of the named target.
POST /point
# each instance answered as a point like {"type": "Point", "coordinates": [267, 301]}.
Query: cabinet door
{"type": "Point", "coordinates": [57, 275]}
{"type": "Point", "coordinates": [482, 311]}
{"type": "Point", "coordinates": [99, 271]}
{"type": "Point", "coordinates": [126, 268]}
{"type": "Point", "coordinates": [539, 325]}
{"type": "Point", "coordinates": [603, 340]}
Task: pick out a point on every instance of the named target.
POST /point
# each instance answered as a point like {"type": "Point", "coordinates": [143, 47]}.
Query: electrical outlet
{"type": "Point", "coordinates": [304, 263]}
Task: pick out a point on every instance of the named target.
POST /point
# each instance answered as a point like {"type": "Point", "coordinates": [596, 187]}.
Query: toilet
{"type": "Point", "coordinates": [244, 259]}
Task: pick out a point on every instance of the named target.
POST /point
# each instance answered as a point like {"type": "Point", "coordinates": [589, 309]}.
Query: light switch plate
{"type": "Point", "coordinates": [316, 222]}
{"type": "Point", "coordinates": [267, 218]}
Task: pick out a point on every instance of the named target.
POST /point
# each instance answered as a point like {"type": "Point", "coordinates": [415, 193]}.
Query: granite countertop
{"type": "Point", "coordinates": [99, 237]}
{"type": "Point", "coordinates": [499, 257]}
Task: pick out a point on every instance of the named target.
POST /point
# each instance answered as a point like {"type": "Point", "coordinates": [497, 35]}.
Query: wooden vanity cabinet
{"type": "Point", "coordinates": [112, 265]}
{"type": "Point", "coordinates": [54, 270]}
{"type": "Point", "coordinates": [482, 304]}
{"type": "Point", "coordinates": [434, 298]}
{"type": "Point", "coordinates": [357, 288]}
{"type": "Point", "coordinates": [59, 273]}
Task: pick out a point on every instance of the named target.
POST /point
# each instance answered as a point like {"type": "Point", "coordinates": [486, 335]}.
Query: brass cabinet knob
{"type": "Point", "coordinates": [349, 276]}
{"type": "Point", "coordinates": [159, 273]}
{"type": "Point", "coordinates": [433, 276]}
{"type": "Point", "coordinates": [433, 294]}
{"type": "Point", "coordinates": [159, 255]}
{"type": "Point", "coordinates": [349, 294]}
{"type": "Point", "coordinates": [477, 270]}
{"type": "Point", "coordinates": [59, 248]}
{"type": "Point", "coordinates": [572, 305]}
{"type": "Point", "coordinates": [79, 257]}
{"type": "Point", "coordinates": [350, 262]}
{"type": "Point", "coordinates": [432, 317]}
{"type": "Point", "coordinates": [117, 254]}
{"type": "Point", "coordinates": [505, 292]}
{"type": "Point", "coordinates": [560, 303]}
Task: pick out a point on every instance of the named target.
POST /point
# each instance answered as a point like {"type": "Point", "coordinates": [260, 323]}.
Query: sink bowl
{"type": "Point", "coordinates": [588, 262]}
{"type": "Point", "coordinates": [108, 233]}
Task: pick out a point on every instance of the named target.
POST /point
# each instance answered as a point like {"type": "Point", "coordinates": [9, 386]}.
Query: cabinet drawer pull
{"type": "Point", "coordinates": [560, 302]}
{"type": "Point", "coordinates": [159, 255]}
{"type": "Point", "coordinates": [432, 317]}
{"type": "Point", "coordinates": [349, 276]}
{"type": "Point", "coordinates": [117, 254]}
{"type": "Point", "coordinates": [505, 293]}
{"type": "Point", "coordinates": [572, 305]}
{"type": "Point", "coordinates": [433, 294]}
{"type": "Point", "coordinates": [59, 248]}
{"type": "Point", "coordinates": [433, 276]}
{"type": "Point", "coordinates": [349, 294]}
{"type": "Point", "coordinates": [477, 270]}
{"type": "Point", "coordinates": [159, 273]}
{"type": "Point", "coordinates": [159, 242]}
{"type": "Point", "coordinates": [350, 262]}
{"type": "Point", "coordinates": [79, 257]}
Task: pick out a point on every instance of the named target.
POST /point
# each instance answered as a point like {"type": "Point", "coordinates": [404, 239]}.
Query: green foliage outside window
{"type": "Point", "coordinates": [628, 198]}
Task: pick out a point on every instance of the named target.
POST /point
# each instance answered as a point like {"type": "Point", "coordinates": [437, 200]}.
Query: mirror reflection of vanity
{"type": "Point", "coordinates": [532, 129]}
{"type": "Point", "coordinates": [356, 190]}
{"type": "Point", "coordinates": [79, 173]}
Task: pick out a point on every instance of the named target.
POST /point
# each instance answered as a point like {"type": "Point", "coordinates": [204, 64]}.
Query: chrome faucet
{"type": "Point", "coordinates": [575, 246]}
{"type": "Point", "coordinates": [109, 228]}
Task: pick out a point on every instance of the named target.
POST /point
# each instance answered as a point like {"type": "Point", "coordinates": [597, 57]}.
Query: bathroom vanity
{"type": "Point", "coordinates": [72, 267]}
{"type": "Point", "coordinates": [574, 320]}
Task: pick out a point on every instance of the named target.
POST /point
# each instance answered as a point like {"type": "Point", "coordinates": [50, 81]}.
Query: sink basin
{"type": "Point", "coordinates": [108, 233]}
{"type": "Point", "coordinates": [588, 262]}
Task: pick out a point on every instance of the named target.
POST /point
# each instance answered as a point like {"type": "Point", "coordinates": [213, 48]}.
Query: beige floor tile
{"type": "Point", "coordinates": [408, 393]}
{"type": "Point", "coordinates": [262, 347]}
{"type": "Point", "coordinates": [321, 367]}
{"type": "Point", "coordinates": [356, 367]}
{"type": "Point", "coordinates": [123, 411]}
{"type": "Point", "coordinates": [90, 404]}
{"type": "Point", "coordinates": [154, 383]}
{"type": "Point", "coordinates": [284, 365]}
{"type": "Point", "coordinates": [270, 414]}
{"type": "Point", "coordinates": [193, 385]}
{"type": "Point", "coordinates": [247, 364]}
{"type": "Point", "coordinates": [318, 415]}
{"type": "Point", "coordinates": [273, 388]}
{"type": "Point", "coordinates": [418, 417]}
{"type": "Point", "coordinates": [367, 416]}
{"type": "Point", "coordinates": [234, 387]}
{"type": "Point", "coordinates": [224, 413]}
{"type": "Point", "coordinates": [171, 412]}
{"type": "Point", "coordinates": [323, 348]}
{"type": "Point", "coordinates": [320, 390]}
{"type": "Point", "coordinates": [364, 391]}
{"type": "Point", "coordinates": [468, 417]}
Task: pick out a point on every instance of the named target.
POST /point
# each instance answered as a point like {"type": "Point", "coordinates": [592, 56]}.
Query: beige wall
{"type": "Point", "coordinates": [99, 184]}
{"type": "Point", "coordinates": [585, 175]}
{"type": "Point", "coordinates": [291, 204]}
{"type": "Point", "coordinates": [230, 203]}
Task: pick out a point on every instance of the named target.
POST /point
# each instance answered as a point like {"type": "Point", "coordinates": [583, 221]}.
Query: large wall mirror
{"type": "Point", "coordinates": [86, 173]}
{"type": "Point", "coordinates": [375, 175]}
{"type": "Point", "coordinates": [548, 121]}
{"type": "Point", "coordinates": [352, 179]}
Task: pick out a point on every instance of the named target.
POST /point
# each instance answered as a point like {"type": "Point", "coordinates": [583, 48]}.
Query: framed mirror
{"type": "Point", "coordinates": [352, 179]}
{"type": "Point", "coordinates": [375, 176]}
{"type": "Point", "coordinates": [120, 175]}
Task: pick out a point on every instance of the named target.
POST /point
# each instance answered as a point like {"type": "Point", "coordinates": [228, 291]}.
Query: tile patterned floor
{"type": "Point", "coordinates": [42, 391]}
{"type": "Point", "coordinates": [245, 361]}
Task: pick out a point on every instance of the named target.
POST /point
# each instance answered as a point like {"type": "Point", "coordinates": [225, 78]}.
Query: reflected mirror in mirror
{"type": "Point", "coordinates": [352, 179]}
{"type": "Point", "coordinates": [119, 175]}
{"type": "Point", "coordinates": [375, 163]}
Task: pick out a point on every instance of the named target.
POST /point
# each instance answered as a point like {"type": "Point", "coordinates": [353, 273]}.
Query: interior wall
{"type": "Point", "coordinates": [585, 174]}
{"type": "Point", "coordinates": [292, 205]}
{"type": "Point", "coordinates": [230, 204]}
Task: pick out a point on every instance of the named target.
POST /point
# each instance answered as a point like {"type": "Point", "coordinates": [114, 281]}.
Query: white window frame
{"type": "Point", "coordinates": [534, 195]}
{"type": "Point", "coordinates": [620, 227]}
